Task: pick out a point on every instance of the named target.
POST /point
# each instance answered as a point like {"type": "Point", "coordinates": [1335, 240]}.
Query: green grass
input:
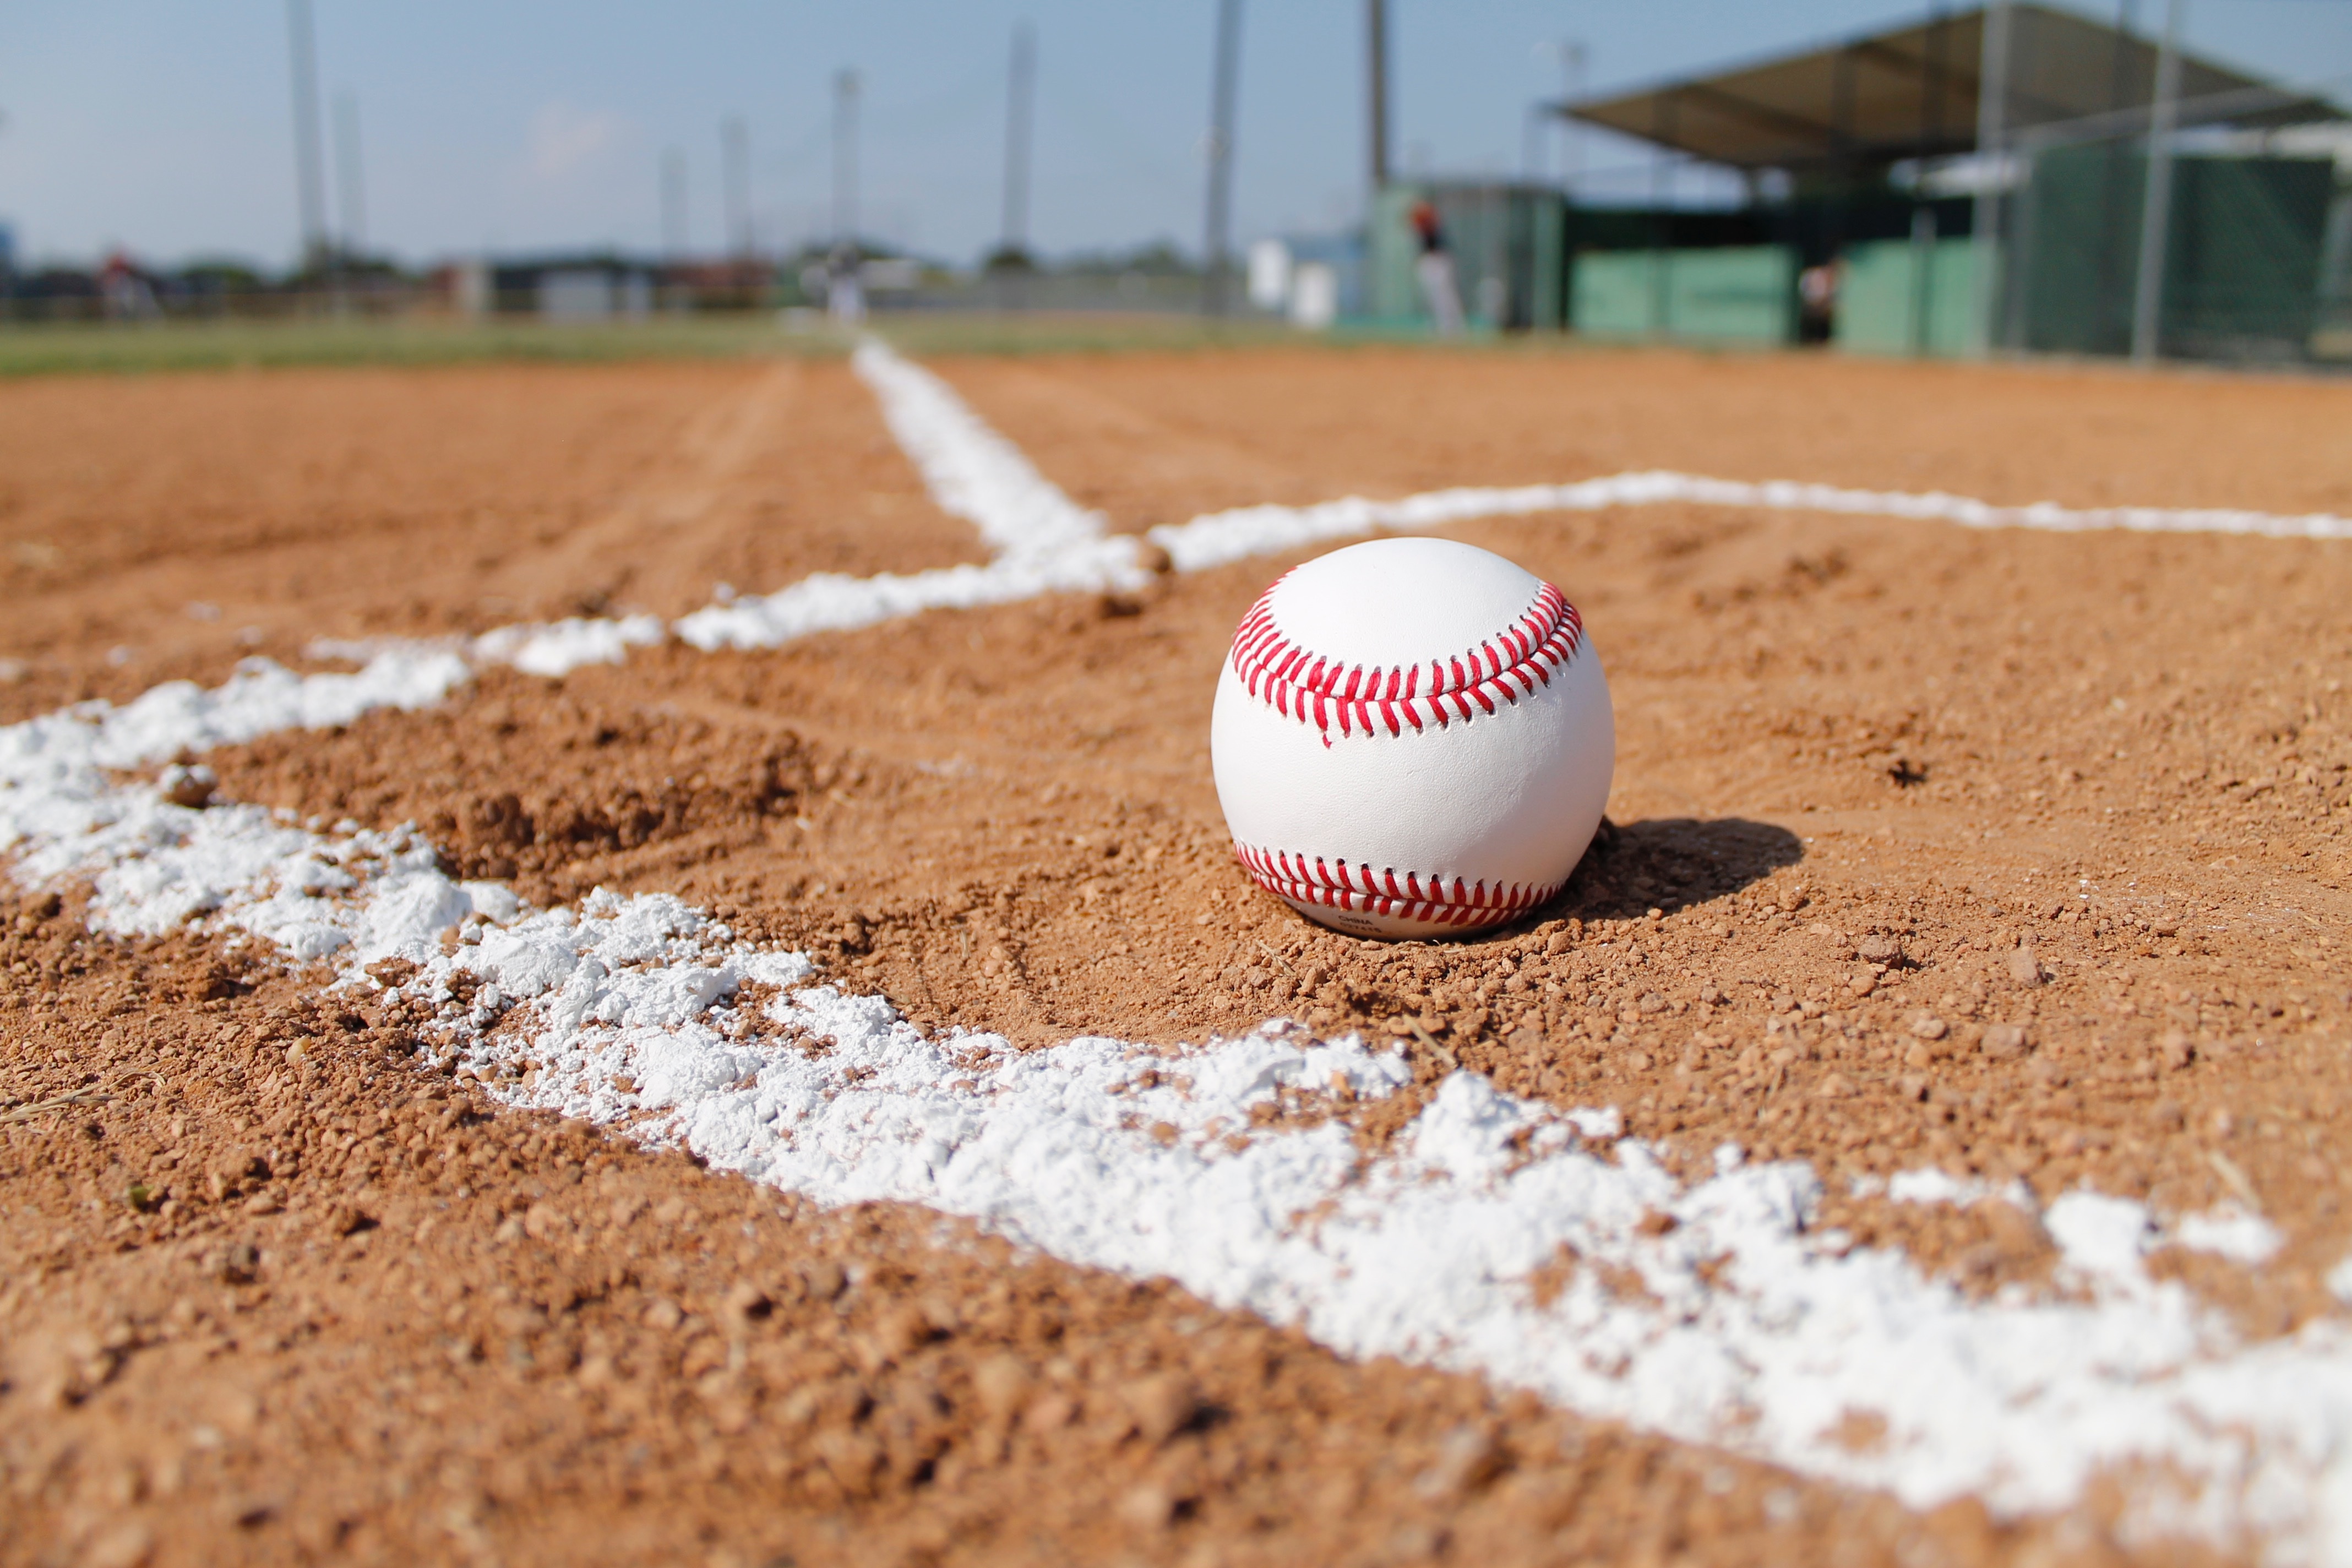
{"type": "Point", "coordinates": [49, 349]}
{"type": "Point", "coordinates": [927, 332]}
{"type": "Point", "coordinates": [28, 349]}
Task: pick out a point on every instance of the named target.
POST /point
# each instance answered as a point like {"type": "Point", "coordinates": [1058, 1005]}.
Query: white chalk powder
{"type": "Point", "coordinates": [1047, 544]}
{"type": "Point", "coordinates": [1221, 537]}
{"type": "Point", "coordinates": [1761, 1334]}
{"type": "Point", "coordinates": [563, 646]}
{"type": "Point", "coordinates": [972, 471]}
{"type": "Point", "coordinates": [1044, 542]}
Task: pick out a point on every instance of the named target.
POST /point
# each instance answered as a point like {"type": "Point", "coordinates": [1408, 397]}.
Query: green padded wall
{"type": "Point", "coordinates": [1886, 306]}
{"type": "Point", "coordinates": [1729, 294]}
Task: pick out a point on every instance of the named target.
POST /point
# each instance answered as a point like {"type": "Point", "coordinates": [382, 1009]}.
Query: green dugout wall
{"type": "Point", "coordinates": [1745, 293]}
{"type": "Point", "coordinates": [1900, 296]}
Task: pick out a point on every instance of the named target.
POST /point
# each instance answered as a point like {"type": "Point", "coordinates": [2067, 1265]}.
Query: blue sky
{"type": "Point", "coordinates": [166, 127]}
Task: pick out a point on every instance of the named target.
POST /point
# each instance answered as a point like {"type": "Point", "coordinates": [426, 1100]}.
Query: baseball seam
{"type": "Point", "coordinates": [1407, 895]}
{"type": "Point", "coordinates": [1301, 684]}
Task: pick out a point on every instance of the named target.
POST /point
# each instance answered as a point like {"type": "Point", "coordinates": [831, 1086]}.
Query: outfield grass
{"type": "Point", "coordinates": [43, 349]}
{"type": "Point", "coordinates": [86, 347]}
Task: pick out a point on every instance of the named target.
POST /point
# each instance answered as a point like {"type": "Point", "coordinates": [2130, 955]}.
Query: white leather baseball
{"type": "Point", "coordinates": [1412, 737]}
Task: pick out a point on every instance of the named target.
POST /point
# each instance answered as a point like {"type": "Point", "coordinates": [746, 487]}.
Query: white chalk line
{"type": "Point", "coordinates": [1765, 1348]}
{"type": "Point", "coordinates": [1763, 1336]}
{"type": "Point", "coordinates": [1044, 542]}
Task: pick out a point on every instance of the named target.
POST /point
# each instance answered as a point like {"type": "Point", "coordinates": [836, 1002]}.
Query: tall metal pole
{"type": "Point", "coordinates": [1376, 51]}
{"type": "Point", "coordinates": [349, 183]}
{"type": "Point", "coordinates": [735, 145]}
{"type": "Point", "coordinates": [1572, 58]}
{"type": "Point", "coordinates": [310, 175]}
{"type": "Point", "coordinates": [2156, 204]}
{"type": "Point", "coordinates": [1019, 89]}
{"type": "Point", "coordinates": [1992, 146]}
{"type": "Point", "coordinates": [1662, 190]}
{"type": "Point", "coordinates": [1218, 240]}
{"type": "Point", "coordinates": [844, 157]}
{"type": "Point", "coordinates": [2123, 54]}
{"type": "Point", "coordinates": [1923, 211]}
{"type": "Point", "coordinates": [673, 200]}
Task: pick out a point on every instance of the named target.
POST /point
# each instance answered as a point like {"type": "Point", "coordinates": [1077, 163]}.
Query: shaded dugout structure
{"type": "Point", "coordinates": [2008, 176]}
{"type": "Point", "coordinates": [1935, 89]}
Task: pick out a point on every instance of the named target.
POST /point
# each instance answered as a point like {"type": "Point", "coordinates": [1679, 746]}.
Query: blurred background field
{"type": "Point", "coordinates": [69, 347]}
{"type": "Point", "coordinates": [62, 347]}
{"type": "Point", "coordinates": [2150, 180]}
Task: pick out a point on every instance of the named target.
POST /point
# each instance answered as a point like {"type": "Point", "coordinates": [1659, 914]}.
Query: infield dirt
{"type": "Point", "coordinates": [2015, 854]}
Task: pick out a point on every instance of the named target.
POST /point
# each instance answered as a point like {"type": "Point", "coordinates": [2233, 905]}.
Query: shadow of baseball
{"type": "Point", "coordinates": [1669, 863]}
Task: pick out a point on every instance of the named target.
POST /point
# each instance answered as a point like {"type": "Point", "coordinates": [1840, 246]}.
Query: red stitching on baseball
{"type": "Point", "coordinates": [1369, 699]}
{"type": "Point", "coordinates": [1360, 890]}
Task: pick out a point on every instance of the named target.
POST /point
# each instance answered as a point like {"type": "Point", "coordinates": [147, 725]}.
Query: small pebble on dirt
{"type": "Point", "coordinates": [1163, 1405]}
{"type": "Point", "coordinates": [2003, 1042]}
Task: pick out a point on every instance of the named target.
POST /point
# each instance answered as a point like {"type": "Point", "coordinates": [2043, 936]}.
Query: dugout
{"type": "Point", "coordinates": [1976, 179]}
{"type": "Point", "coordinates": [2242, 278]}
{"type": "Point", "coordinates": [1731, 277]}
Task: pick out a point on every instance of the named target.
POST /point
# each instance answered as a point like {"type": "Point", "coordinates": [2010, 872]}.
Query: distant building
{"type": "Point", "coordinates": [1312, 279]}
{"type": "Point", "coordinates": [469, 288]}
{"type": "Point", "coordinates": [556, 288]}
{"type": "Point", "coordinates": [1891, 211]}
{"type": "Point", "coordinates": [594, 293]}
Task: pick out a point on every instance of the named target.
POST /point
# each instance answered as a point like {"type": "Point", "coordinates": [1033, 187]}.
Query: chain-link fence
{"type": "Point", "coordinates": [2212, 242]}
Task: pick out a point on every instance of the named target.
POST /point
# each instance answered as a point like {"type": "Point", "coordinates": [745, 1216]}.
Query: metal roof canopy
{"type": "Point", "coordinates": [1911, 92]}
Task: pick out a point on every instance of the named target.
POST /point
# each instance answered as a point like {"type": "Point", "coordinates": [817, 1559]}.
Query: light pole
{"type": "Point", "coordinates": [1218, 240]}
{"type": "Point", "coordinates": [1020, 87]}
{"type": "Point", "coordinates": [350, 181]}
{"type": "Point", "coordinates": [1570, 53]}
{"type": "Point", "coordinates": [673, 204]}
{"type": "Point", "coordinates": [844, 157]}
{"type": "Point", "coordinates": [309, 177]}
{"type": "Point", "coordinates": [735, 142]}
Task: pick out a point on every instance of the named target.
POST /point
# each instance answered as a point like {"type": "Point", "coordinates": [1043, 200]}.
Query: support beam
{"type": "Point", "coordinates": [1992, 145]}
{"type": "Point", "coordinates": [2156, 204]}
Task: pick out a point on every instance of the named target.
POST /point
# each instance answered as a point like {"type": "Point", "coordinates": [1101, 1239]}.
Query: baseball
{"type": "Point", "coordinates": [1412, 737]}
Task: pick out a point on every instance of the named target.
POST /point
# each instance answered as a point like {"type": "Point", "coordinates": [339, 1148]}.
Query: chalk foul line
{"type": "Point", "coordinates": [1758, 1332]}
{"type": "Point", "coordinates": [1761, 1334]}
{"type": "Point", "coordinates": [1044, 542]}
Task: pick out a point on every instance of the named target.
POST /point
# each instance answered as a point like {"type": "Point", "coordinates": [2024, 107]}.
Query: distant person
{"type": "Point", "coordinates": [1817, 298]}
{"type": "Point", "coordinates": [1436, 269]}
{"type": "Point", "coordinates": [124, 294]}
{"type": "Point", "coordinates": [845, 290]}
